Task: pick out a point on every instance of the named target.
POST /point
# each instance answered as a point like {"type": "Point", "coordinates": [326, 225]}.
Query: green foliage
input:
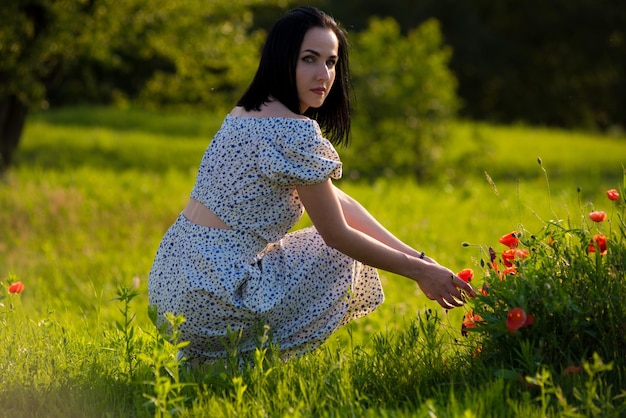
{"type": "Point", "coordinates": [167, 396]}
{"type": "Point", "coordinates": [155, 52]}
{"type": "Point", "coordinates": [406, 96]}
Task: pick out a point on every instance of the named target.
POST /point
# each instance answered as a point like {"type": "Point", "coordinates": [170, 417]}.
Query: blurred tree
{"type": "Point", "coordinates": [155, 52]}
{"type": "Point", "coordinates": [406, 95]}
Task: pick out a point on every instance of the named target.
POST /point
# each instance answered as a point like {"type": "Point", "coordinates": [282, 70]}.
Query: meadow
{"type": "Point", "coordinates": [93, 190]}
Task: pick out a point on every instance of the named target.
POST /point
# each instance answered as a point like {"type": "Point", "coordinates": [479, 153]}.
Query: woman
{"type": "Point", "coordinates": [229, 263]}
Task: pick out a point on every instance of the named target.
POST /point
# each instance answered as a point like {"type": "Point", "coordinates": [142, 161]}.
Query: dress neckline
{"type": "Point", "coordinates": [229, 116]}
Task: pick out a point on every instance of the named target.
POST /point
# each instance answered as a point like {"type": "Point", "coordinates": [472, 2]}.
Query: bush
{"type": "Point", "coordinates": [405, 97]}
{"type": "Point", "coordinates": [555, 298]}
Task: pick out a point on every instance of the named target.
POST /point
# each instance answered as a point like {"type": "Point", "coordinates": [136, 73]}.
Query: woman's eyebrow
{"type": "Point", "coordinates": [317, 54]}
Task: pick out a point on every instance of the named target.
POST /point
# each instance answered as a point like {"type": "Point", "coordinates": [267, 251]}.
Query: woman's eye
{"type": "Point", "coordinates": [307, 59]}
{"type": "Point", "coordinates": [331, 63]}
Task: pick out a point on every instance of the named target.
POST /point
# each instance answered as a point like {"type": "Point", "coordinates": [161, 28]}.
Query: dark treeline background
{"type": "Point", "coordinates": [558, 62]}
{"type": "Point", "coordinates": [416, 63]}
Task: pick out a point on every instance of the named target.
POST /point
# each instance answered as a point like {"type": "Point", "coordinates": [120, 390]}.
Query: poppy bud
{"type": "Point", "coordinates": [597, 216]}
{"type": "Point", "coordinates": [612, 194]}
{"type": "Point", "coordinates": [15, 288]}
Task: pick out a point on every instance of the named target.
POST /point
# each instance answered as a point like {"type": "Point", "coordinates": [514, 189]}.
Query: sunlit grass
{"type": "Point", "coordinates": [87, 203]}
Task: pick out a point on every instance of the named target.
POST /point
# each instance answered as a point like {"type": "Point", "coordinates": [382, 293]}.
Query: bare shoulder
{"type": "Point", "coordinates": [272, 109]}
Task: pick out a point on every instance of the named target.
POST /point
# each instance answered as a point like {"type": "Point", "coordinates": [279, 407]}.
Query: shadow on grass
{"type": "Point", "coordinates": [177, 123]}
{"type": "Point", "coordinates": [101, 396]}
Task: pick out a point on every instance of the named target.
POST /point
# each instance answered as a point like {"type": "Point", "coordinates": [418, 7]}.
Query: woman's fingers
{"type": "Point", "coordinates": [463, 286]}
{"type": "Point", "coordinates": [452, 293]}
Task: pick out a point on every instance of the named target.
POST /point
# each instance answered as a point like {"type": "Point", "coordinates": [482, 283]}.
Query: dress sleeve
{"type": "Point", "coordinates": [299, 157]}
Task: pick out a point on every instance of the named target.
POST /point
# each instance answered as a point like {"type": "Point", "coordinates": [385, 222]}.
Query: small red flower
{"type": "Point", "coordinates": [599, 240]}
{"type": "Point", "coordinates": [508, 256]}
{"type": "Point", "coordinates": [612, 194]}
{"type": "Point", "coordinates": [466, 275]}
{"type": "Point", "coordinates": [510, 271]}
{"type": "Point", "coordinates": [510, 239]}
{"type": "Point", "coordinates": [597, 216]}
{"type": "Point", "coordinates": [470, 321]}
{"type": "Point", "coordinates": [515, 319]}
{"type": "Point", "coordinates": [15, 288]}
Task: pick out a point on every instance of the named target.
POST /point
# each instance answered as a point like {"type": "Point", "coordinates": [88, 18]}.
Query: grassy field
{"type": "Point", "coordinates": [93, 191]}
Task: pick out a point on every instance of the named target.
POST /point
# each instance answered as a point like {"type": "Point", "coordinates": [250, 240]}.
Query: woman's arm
{"type": "Point", "coordinates": [359, 218]}
{"type": "Point", "coordinates": [376, 247]}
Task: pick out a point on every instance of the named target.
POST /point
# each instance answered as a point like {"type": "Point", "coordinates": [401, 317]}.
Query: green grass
{"type": "Point", "coordinates": [93, 191]}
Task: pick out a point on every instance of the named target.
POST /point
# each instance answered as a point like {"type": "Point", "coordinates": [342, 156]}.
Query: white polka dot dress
{"type": "Point", "coordinates": [256, 273]}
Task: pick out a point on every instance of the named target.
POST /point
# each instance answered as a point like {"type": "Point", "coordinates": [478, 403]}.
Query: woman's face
{"type": "Point", "coordinates": [315, 71]}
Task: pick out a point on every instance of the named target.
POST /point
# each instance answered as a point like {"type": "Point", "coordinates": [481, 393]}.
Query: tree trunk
{"type": "Point", "coordinates": [12, 116]}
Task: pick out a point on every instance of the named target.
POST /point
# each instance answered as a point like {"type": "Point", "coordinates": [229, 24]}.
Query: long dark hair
{"type": "Point", "coordinates": [276, 75]}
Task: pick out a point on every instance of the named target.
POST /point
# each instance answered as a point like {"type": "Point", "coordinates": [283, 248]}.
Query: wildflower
{"type": "Point", "coordinates": [597, 216]}
{"type": "Point", "coordinates": [492, 254]}
{"type": "Point", "coordinates": [510, 271]}
{"type": "Point", "coordinates": [510, 239]}
{"type": "Point", "coordinates": [612, 194]}
{"type": "Point", "coordinates": [15, 288]}
{"type": "Point", "coordinates": [516, 319]}
{"type": "Point", "coordinates": [599, 240]}
{"type": "Point", "coordinates": [508, 256]}
{"type": "Point", "coordinates": [470, 321]}
{"type": "Point", "coordinates": [466, 275]}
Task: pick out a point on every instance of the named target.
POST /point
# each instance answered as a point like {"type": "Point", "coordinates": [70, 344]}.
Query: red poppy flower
{"type": "Point", "coordinates": [510, 271]}
{"type": "Point", "coordinates": [508, 256]}
{"type": "Point", "coordinates": [466, 275]}
{"type": "Point", "coordinates": [510, 239]}
{"type": "Point", "coordinates": [599, 240]}
{"type": "Point", "coordinates": [515, 319]}
{"type": "Point", "coordinates": [470, 321]}
{"type": "Point", "coordinates": [597, 216]}
{"type": "Point", "coordinates": [612, 194]}
{"type": "Point", "coordinates": [17, 287]}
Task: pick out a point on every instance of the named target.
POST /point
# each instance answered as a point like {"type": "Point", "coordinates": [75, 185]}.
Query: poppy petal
{"type": "Point", "coordinates": [510, 239]}
{"type": "Point", "coordinates": [15, 288]}
{"type": "Point", "coordinates": [597, 216]}
{"type": "Point", "coordinates": [466, 275]}
{"type": "Point", "coordinates": [515, 319]}
{"type": "Point", "coordinates": [612, 194]}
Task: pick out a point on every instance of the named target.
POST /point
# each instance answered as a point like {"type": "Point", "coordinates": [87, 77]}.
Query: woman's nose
{"type": "Point", "coordinates": [323, 73]}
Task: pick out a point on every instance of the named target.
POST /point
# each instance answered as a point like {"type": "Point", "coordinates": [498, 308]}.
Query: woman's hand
{"type": "Point", "coordinates": [443, 286]}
